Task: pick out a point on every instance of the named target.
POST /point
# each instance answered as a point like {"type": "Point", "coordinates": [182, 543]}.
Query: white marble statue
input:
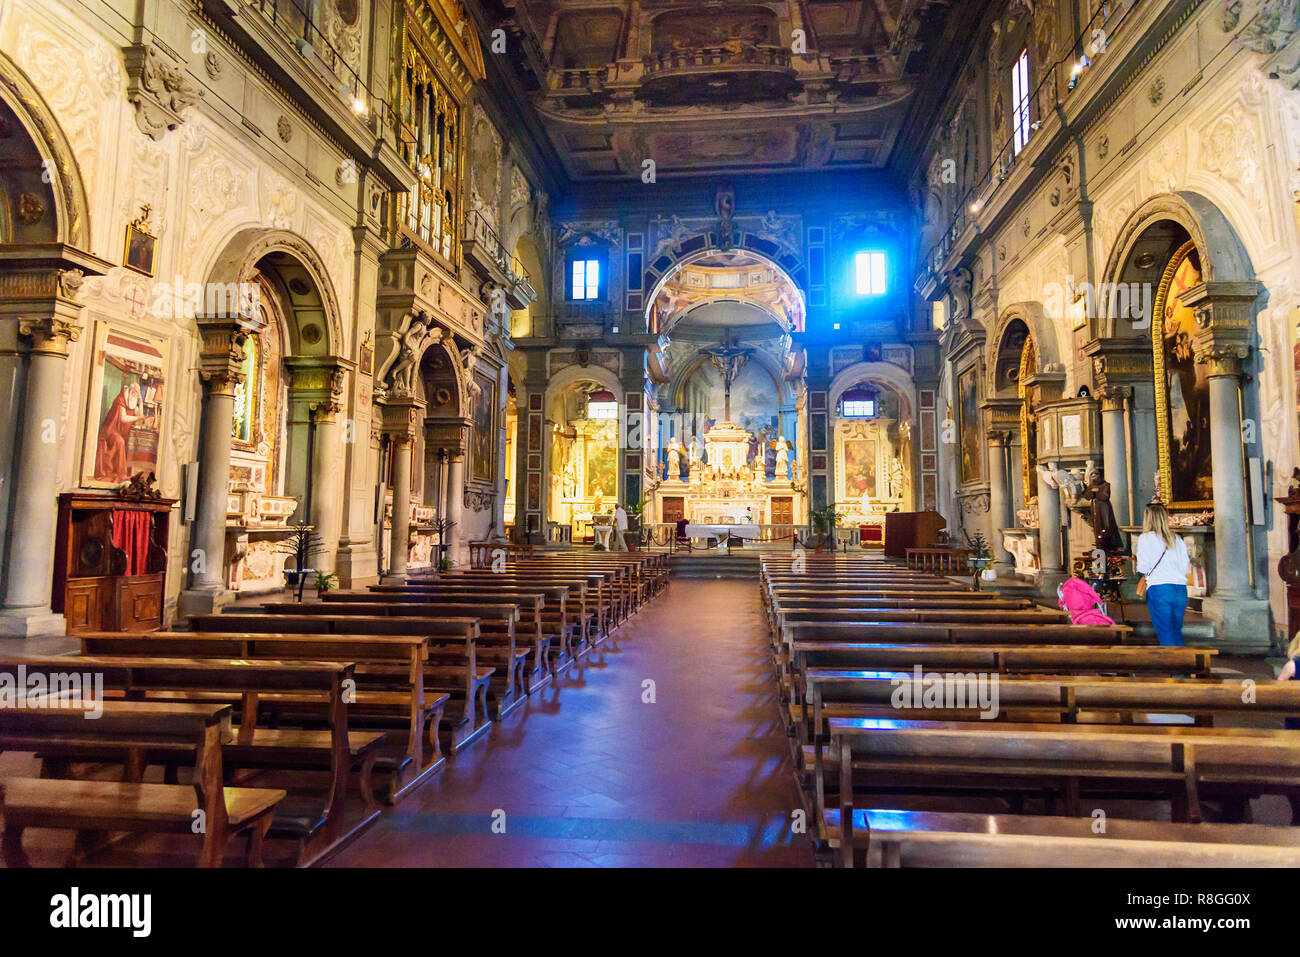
{"type": "Point", "coordinates": [674, 460]}
{"type": "Point", "coordinates": [783, 461]}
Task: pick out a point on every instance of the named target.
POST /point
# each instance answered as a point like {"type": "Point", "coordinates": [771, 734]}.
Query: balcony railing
{"type": "Point", "coordinates": [291, 20]}
{"type": "Point", "coordinates": [1044, 101]}
{"type": "Point", "coordinates": [739, 54]}
{"type": "Point", "coordinates": [481, 233]}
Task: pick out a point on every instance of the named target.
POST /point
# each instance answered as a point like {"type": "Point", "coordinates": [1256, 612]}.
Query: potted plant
{"type": "Point", "coordinates": [824, 522]}
{"type": "Point", "coordinates": [634, 513]}
{"type": "Point", "coordinates": [442, 527]}
{"type": "Point", "coordinates": [444, 564]}
{"type": "Point", "coordinates": [301, 544]}
{"type": "Point", "coordinates": [981, 556]}
{"type": "Point", "coordinates": [326, 581]}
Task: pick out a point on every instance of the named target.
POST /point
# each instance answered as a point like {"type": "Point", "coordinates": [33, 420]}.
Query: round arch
{"type": "Point", "coordinates": [570, 375]}
{"type": "Point", "coordinates": [785, 261]}
{"type": "Point", "coordinates": [1041, 329]}
{"type": "Point", "coordinates": [885, 373]}
{"type": "Point", "coordinates": [239, 260]}
{"type": "Point", "coordinates": [72, 210]}
{"type": "Point", "coordinates": [1223, 257]}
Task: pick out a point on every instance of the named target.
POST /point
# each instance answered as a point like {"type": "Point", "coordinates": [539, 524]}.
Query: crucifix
{"type": "Point", "coordinates": [728, 359]}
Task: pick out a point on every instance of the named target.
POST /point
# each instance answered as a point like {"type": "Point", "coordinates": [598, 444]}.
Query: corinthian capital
{"type": "Point", "coordinates": [1221, 360]}
{"type": "Point", "coordinates": [50, 336]}
{"type": "Point", "coordinates": [221, 357]}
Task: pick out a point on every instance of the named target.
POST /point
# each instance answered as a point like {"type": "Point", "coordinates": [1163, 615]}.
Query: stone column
{"type": "Point", "coordinates": [999, 502]}
{"type": "Point", "coordinates": [326, 482]}
{"type": "Point", "coordinates": [456, 506]}
{"type": "Point", "coordinates": [401, 417]}
{"type": "Point", "coordinates": [1049, 538]}
{"type": "Point", "coordinates": [1224, 311]}
{"type": "Point", "coordinates": [1113, 453]}
{"type": "Point", "coordinates": [220, 360]}
{"type": "Point", "coordinates": [400, 540]}
{"type": "Point", "coordinates": [30, 570]}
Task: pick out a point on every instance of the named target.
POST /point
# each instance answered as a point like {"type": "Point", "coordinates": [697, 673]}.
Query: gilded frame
{"type": "Point", "coordinates": [1163, 452]}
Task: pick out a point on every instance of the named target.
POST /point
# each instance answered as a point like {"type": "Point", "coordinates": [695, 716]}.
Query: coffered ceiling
{"type": "Point", "coordinates": [704, 87]}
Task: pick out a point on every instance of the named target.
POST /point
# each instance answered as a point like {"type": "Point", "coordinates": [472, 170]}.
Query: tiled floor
{"type": "Point", "coordinates": [598, 776]}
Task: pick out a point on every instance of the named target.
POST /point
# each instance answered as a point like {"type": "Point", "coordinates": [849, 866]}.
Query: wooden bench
{"type": "Point", "coordinates": [502, 666]}
{"type": "Point", "coordinates": [92, 807]}
{"type": "Point", "coordinates": [1178, 764]}
{"type": "Point", "coordinates": [947, 561]}
{"type": "Point", "coordinates": [317, 825]}
{"type": "Point", "coordinates": [389, 675]}
{"type": "Point", "coordinates": [450, 666]}
{"type": "Point", "coordinates": [898, 838]}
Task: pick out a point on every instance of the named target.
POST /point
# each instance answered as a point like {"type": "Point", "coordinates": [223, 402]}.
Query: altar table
{"type": "Point", "coordinates": [718, 531]}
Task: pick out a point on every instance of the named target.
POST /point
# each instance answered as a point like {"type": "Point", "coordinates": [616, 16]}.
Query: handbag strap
{"type": "Point", "coordinates": [1158, 561]}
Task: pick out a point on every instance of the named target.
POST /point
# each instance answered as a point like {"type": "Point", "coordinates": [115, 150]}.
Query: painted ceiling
{"type": "Point", "coordinates": [703, 87]}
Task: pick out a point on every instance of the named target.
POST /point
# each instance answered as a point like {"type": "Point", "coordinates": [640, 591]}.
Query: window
{"type": "Point", "coordinates": [586, 279]}
{"type": "Point", "coordinates": [869, 269]}
{"type": "Point", "coordinates": [1020, 102]}
{"type": "Point", "coordinates": [858, 408]}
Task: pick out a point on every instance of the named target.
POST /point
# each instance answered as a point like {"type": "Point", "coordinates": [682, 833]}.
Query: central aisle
{"type": "Point", "coordinates": [597, 777]}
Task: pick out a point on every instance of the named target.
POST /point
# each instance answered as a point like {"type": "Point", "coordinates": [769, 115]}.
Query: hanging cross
{"type": "Point", "coordinates": [728, 359]}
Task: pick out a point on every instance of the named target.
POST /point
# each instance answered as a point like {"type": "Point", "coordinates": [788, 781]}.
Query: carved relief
{"type": "Point", "coordinates": [160, 91]}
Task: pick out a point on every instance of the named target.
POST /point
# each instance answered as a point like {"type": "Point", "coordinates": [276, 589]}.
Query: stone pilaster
{"type": "Point", "coordinates": [1114, 453]}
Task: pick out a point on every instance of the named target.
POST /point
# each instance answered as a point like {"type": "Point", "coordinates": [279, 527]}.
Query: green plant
{"type": "Point", "coordinates": [444, 564]}
{"type": "Point", "coordinates": [825, 519]}
{"type": "Point", "coordinates": [325, 581]}
{"type": "Point", "coordinates": [979, 545]}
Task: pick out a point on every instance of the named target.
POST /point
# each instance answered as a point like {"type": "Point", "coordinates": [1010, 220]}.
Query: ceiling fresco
{"type": "Point", "coordinates": [728, 86]}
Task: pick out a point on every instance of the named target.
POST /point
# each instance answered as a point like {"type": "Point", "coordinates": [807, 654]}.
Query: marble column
{"type": "Point", "coordinates": [30, 570]}
{"type": "Point", "coordinates": [456, 506]}
{"type": "Point", "coordinates": [326, 482]}
{"type": "Point", "coordinates": [1232, 565]}
{"type": "Point", "coordinates": [220, 361]}
{"type": "Point", "coordinates": [1114, 454]}
{"type": "Point", "coordinates": [1224, 311]}
{"type": "Point", "coordinates": [1049, 538]}
{"type": "Point", "coordinates": [399, 542]}
{"type": "Point", "coordinates": [1000, 499]}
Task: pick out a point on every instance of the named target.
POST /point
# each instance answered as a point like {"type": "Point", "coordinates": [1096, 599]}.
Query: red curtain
{"type": "Point", "coordinates": [131, 534]}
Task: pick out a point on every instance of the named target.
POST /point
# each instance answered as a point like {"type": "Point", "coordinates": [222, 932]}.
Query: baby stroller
{"type": "Point", "coordinates": [1082, 602]}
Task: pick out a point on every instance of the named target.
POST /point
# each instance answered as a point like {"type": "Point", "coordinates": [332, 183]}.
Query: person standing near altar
{"type": "Point", "coordinates": [620, 528]}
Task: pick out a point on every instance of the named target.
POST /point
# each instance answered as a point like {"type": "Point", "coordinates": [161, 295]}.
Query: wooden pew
{"type": "Point", "coordinates": [336, 750]}
{"type": "Point", "coordinates": [389, 670]}
{"type": "Point", "coordinates": [89, 807]}
{"type": "Point", "coordinates": [899, 838]}
{"type": "Point", "coordinates": [451, 659]}
{"type": "Point", "coordinates": [1180, 764]}
{"type": "Point", "coordinates": [548, 604]}
{"type": "Point", "coordinates": [590, 590]}
{"type": "Point", "coordinates": [495, 645]}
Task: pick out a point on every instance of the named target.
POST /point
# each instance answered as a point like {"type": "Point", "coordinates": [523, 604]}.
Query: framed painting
{"type": "Point", "coordinates": [1182, 390]}
{"type": "Point", "coordinates": [970, 448]}
{"type": "Point", "coordinates": [860, 468]}
{"type": "Point", "coordinates": [483, 434]}
{"type": "Point", "coordinates": [141, 250]}
{"type": "Point", "coordinates": [124, 410]}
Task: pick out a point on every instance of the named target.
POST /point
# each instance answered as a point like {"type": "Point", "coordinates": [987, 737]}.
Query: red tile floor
{"type": "Point", "coordinates": [595, 776]}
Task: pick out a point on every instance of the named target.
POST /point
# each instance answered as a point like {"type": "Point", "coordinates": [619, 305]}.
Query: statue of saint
{"type": "Point", "coordinates": [783, 460]}
{"type": "Point", "coordinates": [1101, 516]}
{"type": "Point", "coordinates": [674, 460]}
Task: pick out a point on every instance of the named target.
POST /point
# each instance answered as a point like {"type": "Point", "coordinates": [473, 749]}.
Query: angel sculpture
{"type": "Point", "coordinates": [402, 375]}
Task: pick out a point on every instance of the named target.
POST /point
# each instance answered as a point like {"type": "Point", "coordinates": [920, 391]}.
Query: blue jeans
{"type": "Point", "coordinates": [1167, 605]}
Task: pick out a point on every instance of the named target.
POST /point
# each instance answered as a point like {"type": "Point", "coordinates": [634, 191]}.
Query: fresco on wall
{"type": "Point", "coordinates": [972, 450]}
{"type": "Point", "coordinates": [125, 410]}
{"type": "Point", "coordinates": [754, 401]}
{"type": "Point", "coordinates": [1182, 390]}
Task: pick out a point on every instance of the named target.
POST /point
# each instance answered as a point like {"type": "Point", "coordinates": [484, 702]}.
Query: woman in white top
{"type": "Point", "coordinates": [1162, 557]}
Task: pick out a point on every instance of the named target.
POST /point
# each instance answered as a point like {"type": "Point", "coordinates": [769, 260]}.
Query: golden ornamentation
{"type": "Point", "coordinates": [1163, 452]}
